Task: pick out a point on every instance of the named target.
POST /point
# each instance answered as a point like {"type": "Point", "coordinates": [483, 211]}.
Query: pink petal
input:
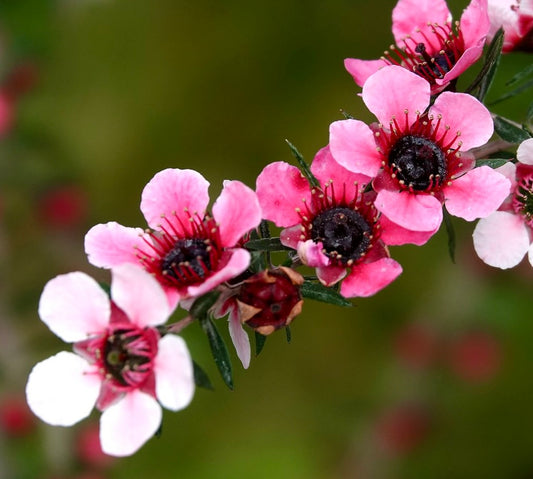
{"type": "Point", "coordinates": [240, 339]}
{"type": "Point", "coordinates": [367, 279]}
{"type": "Point", "coordinates": [290, 237]}
{"type": "Point", "coordinates": [74, 306]}
{"type": "Point", "coordinates": [237, 212]}
{"type": "Point", "coordinates": [62, 389]}
{"type": "Point", "coordinates": [111, 244]}
{"type": "Point", "coordinates": [467, 59]}
{"type": "Point", "coordinates": [281, 189]}
{"type": "Point", "coordinates": [395, 235]}
{"type": "Point", "coordinates": [311, 254]}
{"type": "Point", "coordinates": [524, 153]}
{"type": "Point", "coordinates": [139, 295]}
{"type": "Point", "coordinates": [238, 262]}
{"type": "Point", "coordinates": [475, 23]}
{"type": "Point", "coordinates": [477, 193]}
{"type": "Point", "coordinates": [174, 379]}
{"type": "Point", "coordinates": [408, 16]}
{"type": "Point", "coordinates": [391, 91]}
{"type": "Point", "coordinates": [501, 240]}
{"type": "Point", "coordinates": [362, 69]}
{"type": "Point", "coordinates": [172, 192]}
{"type": "Point", "coordinates": [466, 115]}
{"type": "Point", "coordinates": [330, 275]}
{"type": "Point", "coordinates": [352, 145]}
{"type": "Point", "coordinates": [414, 212]}
{"type": "Point", "coordinates": [126, 425]}
{"type": "Point", "coordinates": [502, 15]}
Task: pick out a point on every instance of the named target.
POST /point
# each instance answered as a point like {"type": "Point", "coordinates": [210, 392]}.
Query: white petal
{"type": "Point", "coordinates": [174, 379]}
{"type": "Point", "coordinates": [63, 389]}
{"type": "Point", "coordinates": [240, 339]}
{"type": "Point", "coordinates": [74, 306]}
{"type": "Point", "coordinates": [524, 154]}
{"type": "Point", "coordinates": [140, 295]}
{"type": "Point", "coordinates": [126, 425]}
{"type": "Point", "coordinates": [501, 240]}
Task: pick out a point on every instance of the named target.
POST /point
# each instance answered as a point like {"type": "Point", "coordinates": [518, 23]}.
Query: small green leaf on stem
{"type": "Point", "coordinates": [319, 292]}
{"type": "Point", "coordinates": [219, 350]}
{"type": "Point", "coordinates": [509, 131]}
{"type": "Point", "coordinates": [266, 244]}
{"type": "Point", "coordinates": [201, 379]}
{"type": "Point", "coordinates": [451, 233]}
{"type": "Point", "coordinates": [492, 162]}
{"type": "Point", "coordinates": [260, 340]}
{"type": "Point", "coordinates": [304, 167]}
{"type": "Point", "coordinates": [288, 333]}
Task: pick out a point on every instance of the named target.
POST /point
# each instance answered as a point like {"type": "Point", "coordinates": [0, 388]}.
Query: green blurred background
{"type": "Point", "coordinates": [431, 378]}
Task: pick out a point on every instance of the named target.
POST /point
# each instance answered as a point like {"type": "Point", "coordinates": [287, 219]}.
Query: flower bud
{"type": "Point", "coordinates": [270, 299]}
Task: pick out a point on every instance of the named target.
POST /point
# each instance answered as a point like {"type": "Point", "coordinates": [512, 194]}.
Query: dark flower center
{"type": "Point", "coordinates": [523, 198]}
{"type": "Point", "coordinates": [345, 234]}
{"type": "Point", "coordinates": [189, 257]}
{"type": "Point", "coordinates": [436, 66]}
{"type": "Point", "coordinates": [417, 162]}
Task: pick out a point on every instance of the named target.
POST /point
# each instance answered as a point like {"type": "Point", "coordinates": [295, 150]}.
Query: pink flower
{"type": "Point", "coordinates": [420, 159]}
{"type": "Point", "coordinates": [335, 228]}
{"type": "Point", "coordinates": [122, 364]}
{"type": "Point", "coordinates": [516, 18]}
{"type": "Point", "coordinates": [187, 250]}
{"type": "Point", "coordinates": [427, 44]}
{"type": "Point", "coordinates": [503, 238]}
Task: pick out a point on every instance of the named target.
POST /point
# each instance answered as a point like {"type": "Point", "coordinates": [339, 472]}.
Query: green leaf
{"type": "Point", "coordinates": [266, 244]}
{"type": "Point", "coordinates": [264, 227]}
{"type": "Point", "coordinates": [257, 263]}
{"type": "Point", "coordinates": [451, 233]}
{"type": "Point", "coordinates": [219, 350]}
{"type": "Point", "coordinates": [288, 333]}
{"type": "Point", "coordinates": [201, 379]}
{"type": "Point", "coordinates": [304, 167]}
{"type": "Point", "coordinates": [514, 92]}
{"type": "Point", "coordinates": [260, 340]}
{"type": "Point", "coordinates": [529, 114]}
{"type": "Point", "coordinates": [201, 306]}
{"type": "Point", "coordinates": [346, 115]}
{"type": "Point", "coordinates": [521, 75]}
{"type": "Point", "coordinates": [322, 293]}
{"type": "Point", "coordinates": [508, 131]}
{"type": "Point", "coordinates": [481, 84]}
{"type": "Point", "coordinates": [492, 162]}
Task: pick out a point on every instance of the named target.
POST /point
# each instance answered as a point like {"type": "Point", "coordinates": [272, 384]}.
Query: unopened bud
{"type": "Point", "coordinates": [271, 299]}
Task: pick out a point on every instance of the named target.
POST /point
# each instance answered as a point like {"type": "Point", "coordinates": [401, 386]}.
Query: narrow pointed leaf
{"type": "Point", "coordinates": [319, 292]}
{"type": "Point", "coordinates": [509, 131]}
{"type": "Point", "coordinates": [492, 162]}
{"type": "Point", "coordinates": [201, 306]}
{"type": "Point", "coordinates": [219, 351]}
{"type": "Point", "coordinates": [528, 71]}
{"type": "Point", "coordinates": [304, 167]}
{"type": "Point", "coordinates": [260, 340]}
{"type": "Point", "coordinates": [264, 227]}
{"type": "Point", "coordinates": [288, 333]}
{"type": "Point", "coordinates": [514, 92]}
{"type": "Point", "coordinates": [266, 244]}
{"type": "Point", "coordinates": [201, 379]}
{"type": "Point", "coordinates": [451, 233]}
{"type": "Point", "coordinates": [346, 115]}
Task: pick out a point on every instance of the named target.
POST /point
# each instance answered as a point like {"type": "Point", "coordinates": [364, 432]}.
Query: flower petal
{"type": "Point", "coordinates": [362, 69]}
{"type": "Point", "coordinates": [291, 236]}
{"type": "Point", "coordinates": [352, 145]}
{"type": "Point", "coordinates": [240, 339]}
{"type": "Point", "coordinates": [524, 153]}
{"type": "Point", "coordinates": [74, 306]}
{"type": "Point", "coordinates": [281, 189]}
{"type": "Point", "coordinates": [477, 193]}
{"type": "Point", "coordinates": [501, 239]}
{"type": "Point", "coordinates": [391, 91]}
{"type": "Point", "coordinates": [410, 17]}
{"type": "Point", "coordinates": [237, 263]}
{"type": "Point", "coordinates": [411, 211]}
{"type": "Point", "coordinates": [311, 254]}
{"type": "Point", "coordinates": [395, 235]}
{"type": "Point", "coordinates": [111, 244]}
{"type": "Point", "coordinates": [467, 59]}
{"type": "Point", "coordinates": [62, 389]}
{"type": "Point", "coordinates": [330, 275]}
{"type": "Point", "coordinates": [465, 115]}
{"type": "Point", "coordinates": [367, 279]}
{"type": "Point", "coordinates": [236, 211]}
{"type": "Point", "coordinates": [174, 378]}
{"type": "Point", "coordinates": [126, 425]}
{"type": "Point", "coordinates": [475, 23]}
{"type": "Point", "coordinates": [139, 295]}
{"type": "Point", "coordinates": [171, 193]}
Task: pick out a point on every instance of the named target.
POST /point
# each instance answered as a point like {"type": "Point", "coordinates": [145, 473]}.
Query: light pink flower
{"type": "Point", "coordinates": [186, 249]}
{"type": "Point", "coordinates": [503, 238]}
{"type": "Point", "coordinates": [335, 228]}
{"type": "Point", "coordinates": [420, 159]}
{"type": "Point", "coordinates": [122, 364]}
{"type": "Point", "coordinates": [516, 18]}
{"type": "Point", "coordinates": [427, 44]}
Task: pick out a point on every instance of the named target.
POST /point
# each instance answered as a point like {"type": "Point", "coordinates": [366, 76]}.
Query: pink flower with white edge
{"type": "Point", "coordinates": [503, 238]}
{"type": "Point", "coordinates": [121, 363]}
{"type": "Point", "coordinates": [420, 159]}
{"type": "Point", "coordinates": [335, 228]}
{"type": "Point", "coordinates": [189, 251]}
{"type": "Point", "coordinates": [427, 43]}
{"type": "Point", "coordinates": [516, 19]}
